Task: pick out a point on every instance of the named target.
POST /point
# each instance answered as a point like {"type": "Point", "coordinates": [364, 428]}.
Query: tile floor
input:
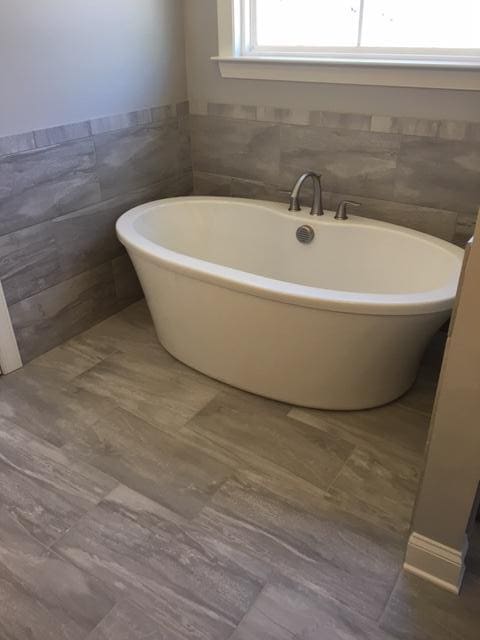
{"type": "Point", "coordinates": [141, 500]}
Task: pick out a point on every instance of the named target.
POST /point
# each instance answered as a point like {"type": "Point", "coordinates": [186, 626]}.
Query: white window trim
{"type": "Point", "coordinates": [237, 60]}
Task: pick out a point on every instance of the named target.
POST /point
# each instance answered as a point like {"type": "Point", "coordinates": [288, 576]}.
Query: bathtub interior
{"type": "Point", "coordinates": [357, 255]}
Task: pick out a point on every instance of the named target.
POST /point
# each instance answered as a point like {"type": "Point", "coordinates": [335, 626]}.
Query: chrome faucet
{"type": "Point", "coordinates": [317, 206]}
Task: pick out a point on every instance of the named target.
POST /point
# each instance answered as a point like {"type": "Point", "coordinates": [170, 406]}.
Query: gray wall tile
{"type": "Point", "coordinates": [452, 130]}
{"type": "Point", "coordinates": [120, 121]}
{"type": "Point", "coordinates": [240, 148]}
{"type": "Point", "coordinates": [43, 184]}
{"type": "Point", "coordinates": [17, 143]}
{"type": "Point", "coordinates": [28, 262]}
{"type": "Point", "coordinates": [238, 111]}
{"type": "Point", "coordinates": [50, 317]}
{"type": "Point", "coordinates": [443, 174]}
{"type": "Point", "coordinates": [57, 135]}
{"type": "Point", "coordinates": [87, 238]}
{"type": "Point", "coordinates": [163, 113]}
{"type": "Point", "coordinates": [358, 161]}
{"type": "Point", "coordinates": [331, 120]}
{"type": "Point", "coordinates": [182, 109]}
{"type": "Point", "coordinates": [436, 222]}
{"type": "Point", "coordinates": [406, 126]}
{"type": "Point", "coordinates": [257, 190]}
{"type": "Point", "coordinates": [473, 132]}
{"type": "Point", "coordinates": [287, 116]}
{"type": "Point", "coordinates": [127, 285]}
{"type": "Point", "coordinates": [133, 158]}
{"type": "Point", "coordinates": [60, 261]}
{"type": "Point", "coordinates": [465, 228]}
{"type": "Point", "coordinates": [208, 184]}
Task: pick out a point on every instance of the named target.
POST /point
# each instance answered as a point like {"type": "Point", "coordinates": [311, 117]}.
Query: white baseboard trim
{"type": "Point", "coordinates": [436, 562]}
{"type": "Point", "coordinates": [10, 359]}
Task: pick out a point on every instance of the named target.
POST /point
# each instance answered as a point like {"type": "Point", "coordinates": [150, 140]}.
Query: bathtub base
{"type": "Point", "coordinates": [298, 355]}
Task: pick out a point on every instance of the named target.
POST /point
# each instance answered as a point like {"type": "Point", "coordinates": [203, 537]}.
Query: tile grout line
{"type": "Point", "coordinates": [88, 122]}
{"type": "Point", "coordinates": [382, 615]}
{"type": "Point", "coordinates": [84, 515]}
{"type": "Point", "coordinates": [339, 473]}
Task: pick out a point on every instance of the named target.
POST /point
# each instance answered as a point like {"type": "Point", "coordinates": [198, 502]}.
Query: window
{"type": "Point", "coordinates": [436, 29]}
{"type": "Point", "coordinates": [440, 35]}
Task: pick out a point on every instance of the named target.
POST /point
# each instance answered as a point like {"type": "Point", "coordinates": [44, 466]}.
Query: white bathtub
{"type": "Point", "coordinates": [340, 323]}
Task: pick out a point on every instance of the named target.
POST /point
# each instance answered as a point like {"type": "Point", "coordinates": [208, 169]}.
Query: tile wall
{"type": "Point", "coordinates": [61, 192]}
{"type": "Point", "coordinates": [423, 174]}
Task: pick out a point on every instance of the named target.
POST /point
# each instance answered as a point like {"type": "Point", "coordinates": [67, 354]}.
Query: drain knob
{"type": "Point", "coordinates": [305, 234]}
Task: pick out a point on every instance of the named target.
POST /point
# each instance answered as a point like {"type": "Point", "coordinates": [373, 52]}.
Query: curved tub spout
{"type": "Point", "coordinates": [317, 206]}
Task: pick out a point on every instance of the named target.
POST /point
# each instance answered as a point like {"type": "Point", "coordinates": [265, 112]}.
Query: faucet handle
{"type": "Point", "coordinates": [342, 209]}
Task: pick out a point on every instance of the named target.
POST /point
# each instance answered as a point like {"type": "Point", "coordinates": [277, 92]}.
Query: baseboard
{"type": "Point", "coordinates": [10, 359]}
{"type": "Point", "coordinates": [436, 562]}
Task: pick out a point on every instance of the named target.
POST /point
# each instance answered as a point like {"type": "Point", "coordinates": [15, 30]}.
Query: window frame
{"type": "Point", "coordinates": [237, 58]}
{"type": "Point", "coordinates": [436, 55]}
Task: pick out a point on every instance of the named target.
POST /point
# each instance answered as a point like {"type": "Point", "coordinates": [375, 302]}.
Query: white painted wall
{"type": "Point", "coordinates": [205, 83]}
{"type": "Point", "coordinates": [65, 61]}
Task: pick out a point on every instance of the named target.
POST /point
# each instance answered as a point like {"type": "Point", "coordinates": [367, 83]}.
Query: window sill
{"type": "Point", "coordinates": [379, 72]}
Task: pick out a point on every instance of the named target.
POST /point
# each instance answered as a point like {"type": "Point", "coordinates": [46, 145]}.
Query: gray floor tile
{"type": "Point", "coordinates": [170, 470]}
{"type": "Point", "coordinates": [127, 621]}
{"type": "Point", "coordinates": [146, 552]}
{"type": "Point", "coordinates": [392, 428]}
{"type": "Point", "coordinates": [40, 404]}
{"type": "Point", "coordinates": [126, 331]}
{"type": "Point", "coordinates": [64, 363]}
{"type": "Point", "coordinates": [282, 613]}
{"type": "Point", "coordinates": [147, 387]}
{"type": "Point", "coordinates": [43, 597]}
{"type": "Point", "coordinates": [330, 552]}
{"type": "Point", "coordinates": [378, 487]}
{"type": "Point", "coordinates": [226, 492]}
{"type": "Point", "coordinates": [419, 610]}
{"type": "Point", "coordinates": [233, 422]}
{"type": "Point", "coordinates": [42, 488]}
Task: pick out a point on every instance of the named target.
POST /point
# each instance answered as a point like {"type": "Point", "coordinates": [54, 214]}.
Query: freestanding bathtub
{"type": "Point", "coordinates": [340, 323]}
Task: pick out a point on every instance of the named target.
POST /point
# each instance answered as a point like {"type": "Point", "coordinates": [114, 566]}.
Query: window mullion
{"type": "Point", "coordinates": [360, 23]}
{"type": "Point", "coordinates": [251, 7]}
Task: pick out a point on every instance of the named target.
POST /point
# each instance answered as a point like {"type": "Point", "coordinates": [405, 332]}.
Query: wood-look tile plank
{"type": "Point", "coordinates": [329, 551]}
{"type": "Point", "coordinates": [147, 553]}
{"type": "Point", "coordinates": [419, 610]}
{"type": "Point", "coordinates": [43, 597]}
{"type": "Point", "coordinates": [129, 330]}
{"type": "Point", "coordinates": [64, 363]}
{"type": "Point", "coordinates": [393, 428]}
{"type": "Point", "coordinates": [378, 487]}
{"type": "Point", "coordinates": [170, 470]}
{"type": "Point", "coordinates": [147, 388]}
{"type": "Point", "coordinates": [36, 401]}
{"type": "Point", "coordinates": [42, 488]}
{"type": "Point", "coordinates": [127, 621]}
{"type": "Point", "coordinates": [285, 613]}
{"type": "Point", "coordinates": [233, 421]}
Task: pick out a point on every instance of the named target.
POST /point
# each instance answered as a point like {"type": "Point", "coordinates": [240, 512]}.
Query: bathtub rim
{"type": "Point", "coordinates": [438, 300]}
